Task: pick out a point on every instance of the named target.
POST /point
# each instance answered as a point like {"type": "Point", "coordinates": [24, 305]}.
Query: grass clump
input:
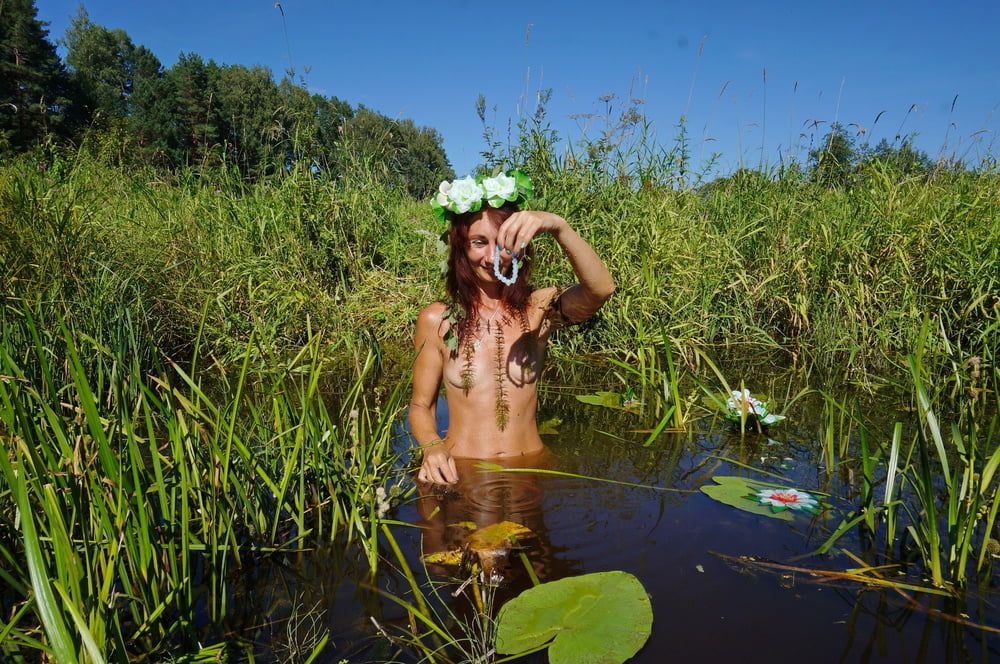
{"type": "Point", "coordinates": [124, 496]}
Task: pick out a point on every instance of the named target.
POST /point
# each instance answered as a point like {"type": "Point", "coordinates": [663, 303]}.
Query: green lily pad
{"type": "Point", "coordinates": [549, 426]}
{"type": "Point", "coordinates": [611, 400]}
{"type": "Point", "coordinates": [595, 618]}
{"type": "Point", "coordinates": [733, 491]}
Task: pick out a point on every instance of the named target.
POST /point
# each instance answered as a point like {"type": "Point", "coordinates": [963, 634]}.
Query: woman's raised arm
{"type": "Point", "coordinates": [595, 286]}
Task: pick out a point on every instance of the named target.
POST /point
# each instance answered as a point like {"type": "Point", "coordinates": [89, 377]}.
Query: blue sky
{"type": "Point", "coordinates": [429, 61]}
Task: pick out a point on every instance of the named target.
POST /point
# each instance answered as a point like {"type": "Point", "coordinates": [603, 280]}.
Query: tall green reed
{"type": "Point", "coordinates": [940, 495]}
{"type": "Point", "coordinates": [122, 494]}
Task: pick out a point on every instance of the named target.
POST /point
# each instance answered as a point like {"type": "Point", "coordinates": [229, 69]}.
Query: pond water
{"type": "Point", "coordinates": [679, 544]}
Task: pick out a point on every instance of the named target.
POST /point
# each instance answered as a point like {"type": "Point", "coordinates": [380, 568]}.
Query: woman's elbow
{"type": "Point", "coordinates": [604, 292]}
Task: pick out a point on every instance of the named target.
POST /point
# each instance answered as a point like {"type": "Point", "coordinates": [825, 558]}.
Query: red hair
{"type": "Point", "coordinates": [461, 281]}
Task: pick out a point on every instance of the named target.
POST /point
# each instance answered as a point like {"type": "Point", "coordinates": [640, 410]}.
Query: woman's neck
{"type": "Point", "coordinates": [490, 298]}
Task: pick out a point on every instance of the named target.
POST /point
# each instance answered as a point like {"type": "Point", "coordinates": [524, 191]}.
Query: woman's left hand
{"type": "Point", "coordinates": [521, 228]}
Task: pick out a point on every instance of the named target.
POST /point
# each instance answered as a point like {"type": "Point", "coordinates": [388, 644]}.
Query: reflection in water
{"type": "Point", "coordinates": [487, 497]}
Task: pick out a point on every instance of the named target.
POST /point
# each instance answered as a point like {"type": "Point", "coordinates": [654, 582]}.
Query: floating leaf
{"type": "Point", "coordinates": [610, 400]}
{"type": "Point", "coordinates": [467, 525]}
{"type": "Point", "coordinates": [733, 491]}
{"type": "Point", "coordinates": [451, 558]}
{"type": "Point", "coordinates": [549, 426]}
{"type": "Point", "coordinates": [604, 617]}
{"type": "Point", "coordinates": [490, 545]}
{"type": "Point", "coordinates": [501, 535]}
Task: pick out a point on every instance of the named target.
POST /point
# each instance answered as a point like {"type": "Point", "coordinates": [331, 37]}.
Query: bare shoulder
{"type": "Point", "coordinates": [433, 320]}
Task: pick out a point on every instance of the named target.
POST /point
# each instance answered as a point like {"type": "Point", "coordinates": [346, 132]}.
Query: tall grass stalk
{"type": "Point", "coordinates": [969, 491]}
{"type": "Point", "coordinates": [125, 493]}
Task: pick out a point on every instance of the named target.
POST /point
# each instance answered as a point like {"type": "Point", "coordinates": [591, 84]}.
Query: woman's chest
{"type": "Point", "coordinates": [508, 352]}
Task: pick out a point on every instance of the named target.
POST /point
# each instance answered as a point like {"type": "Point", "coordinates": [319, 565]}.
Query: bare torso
{"type": "Point", "coordinates": [502, 369]}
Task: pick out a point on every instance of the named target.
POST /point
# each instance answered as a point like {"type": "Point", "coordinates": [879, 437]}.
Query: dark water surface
{"type": "Point", "coordinates": [705, 608]}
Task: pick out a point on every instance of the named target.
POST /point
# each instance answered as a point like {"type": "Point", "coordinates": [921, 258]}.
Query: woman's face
{"type": "Point", "coordinates": [481, 246]}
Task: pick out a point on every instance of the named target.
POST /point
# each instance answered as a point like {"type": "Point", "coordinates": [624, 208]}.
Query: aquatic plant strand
{"type": "Point", "coordinates": [502, 405]}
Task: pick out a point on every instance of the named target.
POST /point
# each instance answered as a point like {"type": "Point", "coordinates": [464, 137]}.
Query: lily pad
{"type": "Point", "coordinates": [466, 525]}
{"type": "Point", "coordinates": [549, 426]}
{"type": "Point", "coordinates": [491, 545]}
{"type": "Point", "coordinates": [611, 400]}
{"type": "Point", "coordinates": [602, 618]}
{"type": "Point", "coordinates": [452, 558]}
{"type": "Point", "coordinates": [501, 535]}
{"type": "Point", "coordinates": [733, 491]}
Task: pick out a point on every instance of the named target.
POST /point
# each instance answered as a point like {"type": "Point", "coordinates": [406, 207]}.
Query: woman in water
{"type": "Point", "coordinates": [488, 343]}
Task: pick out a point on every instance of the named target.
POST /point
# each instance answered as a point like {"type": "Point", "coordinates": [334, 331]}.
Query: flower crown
{"type": "Point", "coordinates": [468, 194]}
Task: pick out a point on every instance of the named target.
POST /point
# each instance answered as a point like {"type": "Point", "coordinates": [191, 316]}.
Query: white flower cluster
{"type": "Point", "coordinates": [383, 504]}
{"type": "Point", "coordinates": [466, 195]}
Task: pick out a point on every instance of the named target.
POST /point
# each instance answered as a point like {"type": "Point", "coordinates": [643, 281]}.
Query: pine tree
{"type": "Point", "coordinates": [108, 68]}
{"type": "Point", "coordinates": [197, 110]}
{"type": "Point", "coordinates": [34, 89]}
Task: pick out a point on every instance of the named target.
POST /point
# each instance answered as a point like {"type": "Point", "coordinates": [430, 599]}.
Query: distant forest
{"type": "Point", "coordinates": [115, 97]}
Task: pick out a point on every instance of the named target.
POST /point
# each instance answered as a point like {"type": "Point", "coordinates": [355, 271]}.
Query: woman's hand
{"type": "Point", "coordinates": [438, 467]}
{"type": "Point", "coordinates": [521, 228]}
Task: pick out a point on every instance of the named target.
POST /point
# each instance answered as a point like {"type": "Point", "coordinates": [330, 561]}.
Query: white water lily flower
{"type": "Point", "coordinates": [740, 400]}
{"type": "Point", "coordinates": [792, 499]}
{"type": "Point", "coordinates": [464, 194]}
{"type": "Point", "coordinates": [499, 189]}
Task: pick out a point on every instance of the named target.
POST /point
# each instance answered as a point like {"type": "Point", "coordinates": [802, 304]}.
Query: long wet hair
{"type": "Point", "coordinates": [461, 281]}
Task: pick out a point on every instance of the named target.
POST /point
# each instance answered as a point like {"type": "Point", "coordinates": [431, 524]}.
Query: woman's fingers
{"type": "Point", "coordinates": [438, 471]}
{"type": "Point", "coordinates": [515, 233]}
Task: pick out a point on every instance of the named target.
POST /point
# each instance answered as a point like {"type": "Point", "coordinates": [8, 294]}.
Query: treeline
{"type": "Point", "coordinates": [115, 95]}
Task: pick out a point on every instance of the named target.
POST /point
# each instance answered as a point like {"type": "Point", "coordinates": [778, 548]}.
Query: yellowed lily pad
{"type": "Point", "coordinates": [501, 535]}
{"type": "Point", "coordinates": [451, 558]}
{"type": "Point", "coordinates": [490, 545]}
{"type": "Point", "coordinates": [467, 525]}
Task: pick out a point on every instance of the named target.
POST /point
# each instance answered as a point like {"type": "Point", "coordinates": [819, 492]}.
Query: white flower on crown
{"type": "Point", "coordinates": [442, 195]}
{"type": "Point", "coordinates": [499, 189]}
{"type": "Point", "coordinates": [464, 194]}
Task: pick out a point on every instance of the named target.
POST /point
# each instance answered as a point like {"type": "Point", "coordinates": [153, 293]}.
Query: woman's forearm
{"type": "Point", "coordinates": [593, 276]}
{"type": "Point", "coordinates": [423, 425]}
